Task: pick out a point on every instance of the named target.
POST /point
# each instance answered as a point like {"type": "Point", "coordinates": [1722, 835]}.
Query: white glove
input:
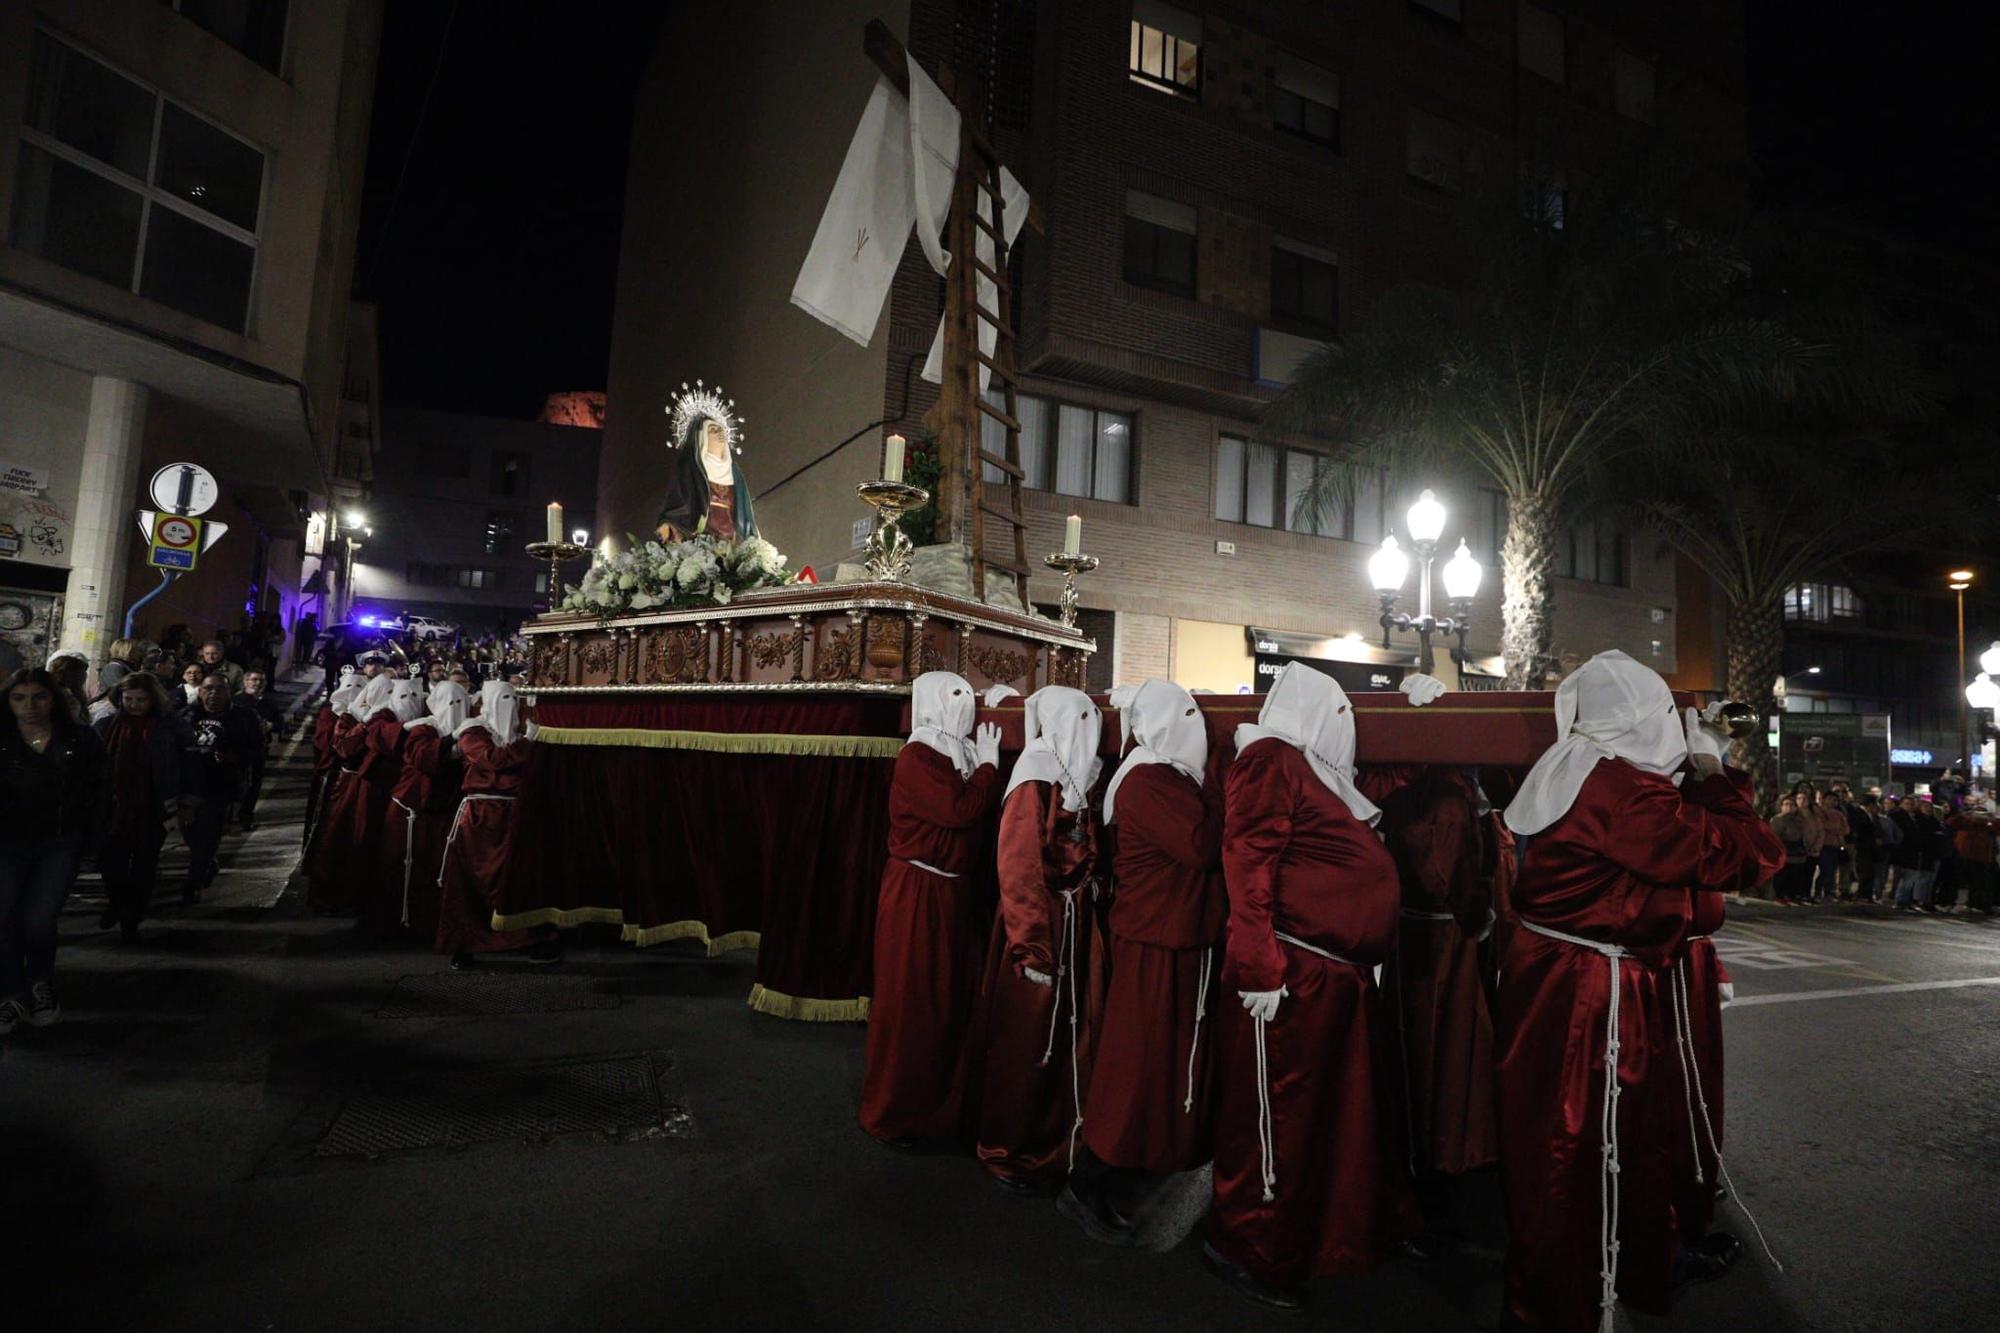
{"type": "Point", "coordinates": [1422, 689]}
{"type": "Point", "coordinates": [1727, 989]}
{"type": "Point", "coordinates": [995, 693]}
{"type": "Point", "coordinates": [1121, 698]}
{"type": "Point", "coordinates": [1263, 1003]}
{"type": "Point", "coordinates": [1039, 978]}
{"type": "Point", "coordinates": [531, 730]}
{"type": "Point", "coordinates": [986, 746]}
{"type": "Point", "coordinates": [1705, 742]}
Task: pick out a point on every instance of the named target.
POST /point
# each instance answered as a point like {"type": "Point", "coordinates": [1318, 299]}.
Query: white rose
{"type": "Point", "coordinates": [641, 600]}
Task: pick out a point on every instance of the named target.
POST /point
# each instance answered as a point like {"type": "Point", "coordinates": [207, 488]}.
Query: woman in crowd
{"type": "Point", "coordinates": [71, 670]}
{"type": "Point", "coordinates": [191, 675]}
{"type": "Point", "coordinates": [927, 942]}
{"type": "Point", "coordinates": [1796, 833]}
{"type": "Point", "coordinates": [143, 742]}
{"type": "Point", "coordinates": [51, 781]}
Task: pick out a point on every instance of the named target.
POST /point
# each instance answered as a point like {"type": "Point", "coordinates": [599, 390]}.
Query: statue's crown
{"type": "Point", "coordinates": [693, 404]}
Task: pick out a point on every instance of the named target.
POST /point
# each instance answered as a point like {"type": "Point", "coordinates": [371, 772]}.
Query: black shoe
{"type": "Point", "coordinates": [900, 1142]}
{"type": "Point", "coordinates": [547, 951]}
{"type": "Point", "coordinates": [1710, 1257]}
{"type": "Point", "coordinates": [1013, 1184]}
{"type": "Point", "coordinates": [1288, 1299]}
{"type": "Point", "coordinates": [107, 918]}
{"type": "Point", "coordinates": [1099, 1220]}
{"type": "Point", "coordinates": [463, 962]}
{"type": "Point", "coordinates": [1426, 1247]}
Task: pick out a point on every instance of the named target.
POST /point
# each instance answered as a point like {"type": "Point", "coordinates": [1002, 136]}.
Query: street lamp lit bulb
{"type": "Point", "coordinates": [579, 538]}
{"type": "Point", "coordinates": [1388, 567]}
{"type": "Point", "coordinates": [1989, 661]}
{"type": "Point", "coordinates": [354, 518]}
{"type": "Point", "coordinates": [1462, 574]}
{"type": "Point", "coordinates": [1983, 692]}
{"type": "Point", "coordinates": [1426, 519]}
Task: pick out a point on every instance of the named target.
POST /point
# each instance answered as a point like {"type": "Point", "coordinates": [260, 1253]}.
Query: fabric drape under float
{"type": "Point", "coordinates": [740, 823]}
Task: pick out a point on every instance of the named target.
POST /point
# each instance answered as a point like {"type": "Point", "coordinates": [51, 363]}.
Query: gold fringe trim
{"type": "Point", "coordinates": [779, 1005]}
{"type": "Point", "coordinates": [641, 936]}
{"type": "Point", "coordinates": [728, 742]}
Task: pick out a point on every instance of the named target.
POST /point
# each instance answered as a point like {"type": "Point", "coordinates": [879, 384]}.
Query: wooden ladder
{"type": "Point", "coordinates": [976, 214]}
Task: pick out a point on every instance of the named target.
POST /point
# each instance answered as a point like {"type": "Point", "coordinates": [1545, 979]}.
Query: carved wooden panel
{"type": "Point", "coordinates": [597, 659]}
{"type": "Point", "coordinates": [837, 656]}
{"type": "Point", "coordinates": [885, 644]}
{"type": "Point", "coordinates": [1066, 667]}
{"type": "Point", "coordinates": [676, 656]}
{"type": "Point", "coordinates": [551, 660]}
{"type": "Point", "coordinates": [1001, 666]}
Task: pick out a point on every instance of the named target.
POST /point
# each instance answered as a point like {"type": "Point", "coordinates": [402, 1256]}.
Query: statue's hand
{"type": "Point", "coordinates": [666, 531]}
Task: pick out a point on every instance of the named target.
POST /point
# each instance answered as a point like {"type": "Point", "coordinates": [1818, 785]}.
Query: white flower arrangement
{"type": "Point", "coordinates": [656, 575]}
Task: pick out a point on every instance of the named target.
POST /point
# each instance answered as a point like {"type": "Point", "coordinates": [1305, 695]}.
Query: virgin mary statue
{"type": "Point", "coordinates": [706, 491]}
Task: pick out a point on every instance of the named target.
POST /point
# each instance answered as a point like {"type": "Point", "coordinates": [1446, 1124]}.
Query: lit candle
{"type": "Point", "coordinates": [1073, 535]}
{"type": "Point", "coordinates": [555, 523]}
{"type": "Point", "coordinates": [892, 459]}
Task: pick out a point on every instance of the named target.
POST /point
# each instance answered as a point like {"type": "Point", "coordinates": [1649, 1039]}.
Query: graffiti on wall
{"type": "Point", "coordinates": [34, 529]}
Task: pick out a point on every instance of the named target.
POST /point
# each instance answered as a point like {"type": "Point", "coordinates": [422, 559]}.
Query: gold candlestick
{"type": "Point", "coordinates": [887, 552]}
{"type": "Point", "coordinates": [555, 553]}
{"type": "Point", "coordinates": [1071, 566]}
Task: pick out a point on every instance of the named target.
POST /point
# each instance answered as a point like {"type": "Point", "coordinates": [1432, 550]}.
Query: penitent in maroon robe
{"type": "Point", "coordinates": [476, 848]}
{"type": "Point", "coordinates": [1698, 1133]}
{"type": "Point", "coordinates": [340, 862]}
{"type": "Point", "coordinates": [1150, 1106]}
{"type": "Point", "coordinates": [1299, 863]}
{"type": "Point", "coordinates": [411, 852]}
{"type": "Point", "coordinates": [1444, 1029]}
{"type": "Point", "coordinates": [325, 765]}
{"type": "Point", "coordinates": [380, 896]}
{"type": "Point", "coordinates": [927, 946]}
{"type": "Point", "coordinates": [1623, 866]}
{"type": "Point", "coordinates": [1031, 1043]}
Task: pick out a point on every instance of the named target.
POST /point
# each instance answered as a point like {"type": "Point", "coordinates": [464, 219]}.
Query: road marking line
{"type": "Point", "coordinates": [1916, 932]}
{"type": "Point", "coordinates": [1899, 988]}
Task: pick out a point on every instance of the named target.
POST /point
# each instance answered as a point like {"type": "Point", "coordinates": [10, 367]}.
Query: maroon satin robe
{"type": "Point", "coordinates": [324, 724]}
{"type": "Point", "coordinates": [1145, 1110]}
{"type": "Point", "coordinates": [927, 946]}
{"type": "Point", "coordinates": [1696, 1171]}
{"type": "Point", "coordinates": [377, 827]}
{"type": "Point", "coordinates": [1623, 866]}
{"type": "Point", "coordinates": [342, 856]}
{"type": "Point", "coordinates": [477, 846]}
{"type": "Point", "coordinates": [1031, 1043]}
{"type": "Point", "coordinates": [1297, 861]}
{"type": "Point", "coordinates": [1444, 1028]}
{"type": "Point", "coordinates": [421, 806]}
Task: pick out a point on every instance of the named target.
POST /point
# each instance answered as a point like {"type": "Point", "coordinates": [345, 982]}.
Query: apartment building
{"type": "Point", "coordinates": [1224, 187]}
{"type": "Point", "coordinates": [179, 190]}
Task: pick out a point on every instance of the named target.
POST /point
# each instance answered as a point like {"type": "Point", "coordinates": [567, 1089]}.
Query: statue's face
{"type": "Point", "coordinates": [714, 439]}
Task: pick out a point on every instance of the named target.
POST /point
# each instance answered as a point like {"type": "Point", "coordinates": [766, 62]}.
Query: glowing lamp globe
{"type": "Point", "coordinates": [1426, 519]}
{"type": "Point", "coordinates": [1982, 692]}
{"type": "Point", "coordinates": [1989, 661]}
{"type": "Point", "coordinates": [1388, 567]}
{"type": "Point", "coordinates": [1461, 575]}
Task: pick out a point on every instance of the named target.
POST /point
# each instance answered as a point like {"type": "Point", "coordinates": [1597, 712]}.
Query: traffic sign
{"type": "Point", "coordinates": [184, 488]}
{"type": "Point", "coordinates": [176, 542]}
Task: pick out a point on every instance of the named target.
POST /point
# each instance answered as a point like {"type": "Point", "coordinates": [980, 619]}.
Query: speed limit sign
{"type": "Point", "coordinates": [176, 542]}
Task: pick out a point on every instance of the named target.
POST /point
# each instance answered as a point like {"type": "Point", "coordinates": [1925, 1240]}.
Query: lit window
{"type": "Point", "coordinates": [119, 184]}
{"type": "Point", "coordinates": [1266, 486]}
{"type": "Point", "coordinates": [1067, 449]}
{"type": "Point", "coordinates": [1540, 44]}
{"type": "Point", "coordinates": [1436, 152]}
{"type": "Point", "coordinates": [499, 532]}
{"type": "Point", "coordinates": [1159, 244]}
{"type": "Point", "coordinates": [1166, 48]}
{"type": "Point", "coordinates": [1632, 81]}
{"type": "Point", "coordinates": [1305, 100]}
{"type": "Point", "coordinates": [1305, 285]}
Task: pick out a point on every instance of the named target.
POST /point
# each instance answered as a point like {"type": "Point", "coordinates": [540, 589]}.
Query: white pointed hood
{"type": "Point", "coordinates": [1611, 707]}
{"type": "Point", "coordinates": [942, 707]}
{"type": "Point", "coordinates": [1309, 711]}
{"type": "Point", "coordinates": [374, 697]}
{"type": "Point", "coordinates": [499, 712]}
{"type": "Point", "coordinates": [406, 699]}
{"type": "Point", "coordinates": [1169, 728]}
{"type": "Point", "coordinates": [447, 703]}
{"type": "Point", "coordinates": [1063, 727]}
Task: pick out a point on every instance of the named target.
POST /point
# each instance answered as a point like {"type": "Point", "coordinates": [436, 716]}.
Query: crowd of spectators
{"type": "Point", "coordinates": [1930, 853]}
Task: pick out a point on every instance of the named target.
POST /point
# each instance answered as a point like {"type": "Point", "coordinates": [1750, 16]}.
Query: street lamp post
{"type": "Point", "coordinates": [1389, 567]}
{"type": "Point", "coordinates": [1959, 580]}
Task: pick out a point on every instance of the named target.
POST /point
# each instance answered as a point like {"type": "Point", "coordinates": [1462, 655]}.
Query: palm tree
{"type": "Point", "coordinates": [1577, 339]}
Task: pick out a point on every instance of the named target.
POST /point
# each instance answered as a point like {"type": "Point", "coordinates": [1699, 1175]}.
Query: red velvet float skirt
{"type": "Point", "coordinates": [1338, 1199]}
{"type": "Point", "coordinates": [1444, 1075]}
{"type": "Point", "coordinates": [1030, 1053]}
{"type": "Point", "coordinates": [1149, 1106]}
{"type": "Point", "coordinates": [1698, 1130]}
{"type": "Point", "coordinates": [475, 852]}
{"type": "Point", "coordinates": [927, 958]}
{"type": "Point", "coordinates": [1550, 1061]}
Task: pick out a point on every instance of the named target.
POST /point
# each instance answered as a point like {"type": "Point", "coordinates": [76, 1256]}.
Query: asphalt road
{"type": "Point", "coordinates": [166, 1153]}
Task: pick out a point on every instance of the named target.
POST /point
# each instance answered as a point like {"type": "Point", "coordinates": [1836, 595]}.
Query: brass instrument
{"type": "Point", "coordinates": [1738, 721]}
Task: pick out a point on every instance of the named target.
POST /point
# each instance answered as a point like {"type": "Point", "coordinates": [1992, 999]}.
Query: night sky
{"type": "Point", "coordinates": [495, 261]}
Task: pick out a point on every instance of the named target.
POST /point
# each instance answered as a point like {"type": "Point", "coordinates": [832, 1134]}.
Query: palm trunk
{"type": "Point", "coordinates": [1526, 556]}
{"type": "Point", "coordinates": [1756, 634]}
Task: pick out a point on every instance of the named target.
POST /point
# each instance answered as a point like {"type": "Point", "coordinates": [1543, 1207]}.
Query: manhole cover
{"type": "Point", "coordinates": [619, 1097]}
{"type": "Point", "coordinates": [471, 994]}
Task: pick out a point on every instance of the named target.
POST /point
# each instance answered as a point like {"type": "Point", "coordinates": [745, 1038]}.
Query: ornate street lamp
{"type": "Point", "coordinates": [1389, 567]}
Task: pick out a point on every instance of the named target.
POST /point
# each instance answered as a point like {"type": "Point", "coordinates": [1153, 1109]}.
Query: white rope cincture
{"type": "Point", "coordinates": [458, 821]}
{"type": "Point", "coordinates": [1677, 997]}
{"type": "Point", "coordinates": [409, 851]}
{"type": "Point", "coordinates": [1200, 1012]}
{"type": "Point", "coordinates": [1075, 1077]}
{"type": "Point", "coordinates": [1063, 934]}
{"type": "Point", "coordinates": [923, 865]}
{"type": "Point", "coordinates": [1683, 1016]}
{"type": "Point", "coordinates": [1265, 1134]}
{"type": "Point", "coordinates": [1608, 1167]}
